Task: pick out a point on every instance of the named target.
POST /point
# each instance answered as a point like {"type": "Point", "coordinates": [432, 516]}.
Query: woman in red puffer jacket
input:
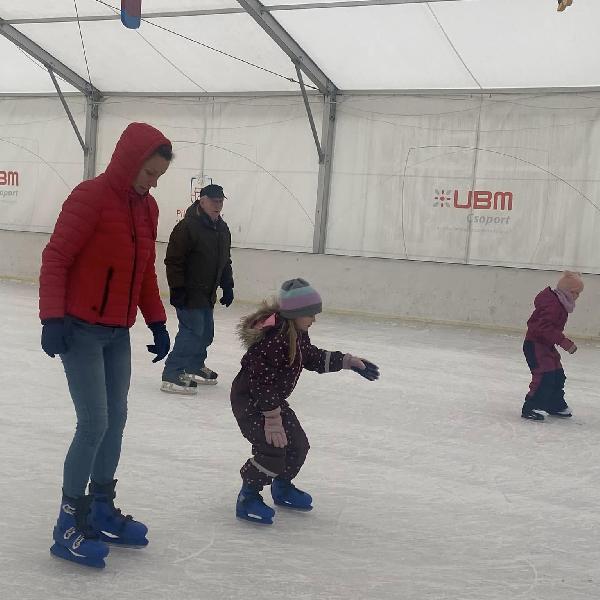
{"type": "Point", "coordinates": [97, 269]}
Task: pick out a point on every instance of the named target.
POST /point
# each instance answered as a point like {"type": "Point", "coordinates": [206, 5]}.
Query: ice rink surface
{"type": "Point", "coordinates": [427, 485]}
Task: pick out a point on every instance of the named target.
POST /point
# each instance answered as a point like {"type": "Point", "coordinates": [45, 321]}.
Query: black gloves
{"type": "Point", "coordinates": [162, 342]}
{"type": "Point", "coordinates": [370, 372]}
{"type": "Point", "coordinates": [54, 337]}
{"type": "Point", "coordinates": [227, 298]}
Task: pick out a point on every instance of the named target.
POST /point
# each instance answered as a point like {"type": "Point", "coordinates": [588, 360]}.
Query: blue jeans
{"type": "Point", "coordinates": [98, 369]}
{"type": "Point", "coordinates": [195, 335]}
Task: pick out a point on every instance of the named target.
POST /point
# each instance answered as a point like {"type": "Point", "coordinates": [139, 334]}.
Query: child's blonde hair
{"type": "Point", "coordinates": [289, 327]}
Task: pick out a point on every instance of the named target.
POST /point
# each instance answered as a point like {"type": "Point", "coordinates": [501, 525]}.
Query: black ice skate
{"type": "Point", "coordinates": [532, 415]}
{"type": "Point", "coordinates": [564, 414]}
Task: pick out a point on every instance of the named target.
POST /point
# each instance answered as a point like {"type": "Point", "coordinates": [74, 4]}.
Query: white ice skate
{"type": "Point", "coordinates": [185, 386]}
{"type": "Point", "coordinates": [205, 376]}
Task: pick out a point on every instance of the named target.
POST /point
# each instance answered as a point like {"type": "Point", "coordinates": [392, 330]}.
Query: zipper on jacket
{"type": "Point", "coordinates": [109, 275]}
{"type": "Point", "coordinates": [133, 239]}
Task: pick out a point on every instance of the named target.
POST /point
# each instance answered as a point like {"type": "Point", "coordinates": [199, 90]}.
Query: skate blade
{"type": "Point", "coordinates": [123, 544]}
{"type": "Point", "coordinates": [536, 417]}
{"type": "Point", "coordinates": [296, 508]}
{"type": "Point", "coordinates": [65, 554]}
{"type": "Point", "coordinates": [202, 381]}
{"type": "Point", "coordinates": [180, 392]}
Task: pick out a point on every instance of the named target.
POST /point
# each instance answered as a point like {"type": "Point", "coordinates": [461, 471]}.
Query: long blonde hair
{"type": "Point", "coordinates": [289, 327]}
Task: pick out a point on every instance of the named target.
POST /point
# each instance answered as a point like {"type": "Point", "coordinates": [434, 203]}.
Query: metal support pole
{"type": "Point", "coordinates": [67, 109]}
{"type": "Point", "coordinates": [324, 181]}
{"type": "Point", "coordinates": [310, 115]}
{"type": "Point", "coordinates": [91, 136]}
{"type": "Point", "coordinates": [49, 61]}
{"type": "Point", "coordinates": [473, 181]}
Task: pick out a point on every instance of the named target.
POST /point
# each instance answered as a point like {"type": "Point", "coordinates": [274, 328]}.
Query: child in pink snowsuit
{"type": "Point", "coordinates": [544, 332]}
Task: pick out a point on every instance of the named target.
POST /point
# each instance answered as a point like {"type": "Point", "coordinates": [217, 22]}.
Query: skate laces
{"type": "Point", "coordinates": [109, 496]}
{"type": "Point", "coordinates": [209, 373]}
{"type": "Point", "coordinates": [117, 515]}
{"type": "Point", "coordinates": [250, 495]}
{"type": "Point", "coordinates": [287, 486]}
{"type": "Point", "coordinates": [120, 515]}
{"type": "Point", "coordinates": [289, 489]}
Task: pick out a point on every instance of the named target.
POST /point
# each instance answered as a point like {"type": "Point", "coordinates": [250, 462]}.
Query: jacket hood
{"type": "Point", "coordinates": [136, 144]}
{"type": "Point", "coordinates": [249, 330]}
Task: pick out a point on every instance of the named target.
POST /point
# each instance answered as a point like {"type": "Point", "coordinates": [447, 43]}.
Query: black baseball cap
{"type": "Point", "coordinates": [212, 191]}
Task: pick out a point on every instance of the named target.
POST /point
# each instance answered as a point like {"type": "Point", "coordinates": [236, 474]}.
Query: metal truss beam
{"type": "Point", "coordinates": [223, 11]}
{"type": "Point", "coordinates": [288, 44]}
{"type": "Point", "coordinates": [91, 137]}
{"type": "Point", "coordinates": [67, 110]}
{"type": "Point", "coordinates": [50, 62]}
{"type": "Point", "coordinates": [311, 120]}
{"type": "Point", "coordinates": [324, 178]}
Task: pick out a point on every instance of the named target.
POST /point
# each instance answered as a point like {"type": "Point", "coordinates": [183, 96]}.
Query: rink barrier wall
{"type": "Point", "coordinates": [499, 298]}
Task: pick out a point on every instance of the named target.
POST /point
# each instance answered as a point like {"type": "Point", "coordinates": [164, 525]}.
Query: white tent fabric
{"type": "Point", "coordinates": [501, 180]}
{"type": "Point", "coordinates": [453, 44]}
{"type": "Point", "coordinates": [40, 161]}
{"type": "Point", "coordinates": [425, 181]}
{"type": "Point", "coordinates": [423, 167]}
{"type": "Point", "coordinates": [21, 74]}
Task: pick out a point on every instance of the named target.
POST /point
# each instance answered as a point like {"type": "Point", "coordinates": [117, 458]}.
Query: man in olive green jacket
{"type": "Point", "coordinates": [198, 262]}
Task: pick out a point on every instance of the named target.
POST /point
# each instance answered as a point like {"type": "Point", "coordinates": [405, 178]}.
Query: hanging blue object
{"type": "Point", "coordinates": [131, 13]}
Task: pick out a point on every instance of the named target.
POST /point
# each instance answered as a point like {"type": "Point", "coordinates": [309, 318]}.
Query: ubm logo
{"type": "Point", "coordinates": [9, 178]}
{"type": "Point", "coordinates": [476, 199]}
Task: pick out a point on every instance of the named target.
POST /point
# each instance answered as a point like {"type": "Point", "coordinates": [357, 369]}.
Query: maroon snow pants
{"type": "Point", "coordinates": [547, 387]}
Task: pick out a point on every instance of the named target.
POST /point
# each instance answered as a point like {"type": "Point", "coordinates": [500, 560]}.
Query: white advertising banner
{"type": "Point", "coordinates": [499, 180]}
{"type": "Point", "coordinates": [40, 160]}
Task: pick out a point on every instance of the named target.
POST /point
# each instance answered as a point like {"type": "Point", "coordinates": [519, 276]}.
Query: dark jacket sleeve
{"type": "Point", "coordinates": [320, 361]}
{"type": "Point", "coordinates": [227, 274]}
{"type": "Point", "coordinates": [75, 226]}
{"type": "Point", "coordinates": [180, 245]}
{"type": "Point", "coordinates": [544, 326]}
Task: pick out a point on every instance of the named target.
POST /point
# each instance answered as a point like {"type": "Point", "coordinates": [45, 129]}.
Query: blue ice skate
{"type": "Point", "coordinates": [73, 540]}
{"type": "Point", "coordinates": [285, 493]}
{"type": "Point", "coordinates": [251, 506]}
{"type": "Point", "coordinates": [109, 523]}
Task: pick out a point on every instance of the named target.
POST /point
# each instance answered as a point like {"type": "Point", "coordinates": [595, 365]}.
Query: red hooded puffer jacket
{"type": "Point", "coordinates": [99, 263]}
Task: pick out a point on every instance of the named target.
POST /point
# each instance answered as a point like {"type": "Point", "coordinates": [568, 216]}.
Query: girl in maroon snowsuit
{"type": "Point", "coordinates": [544, 332]}
{"type": "Point", "coordinates": [278, 348]}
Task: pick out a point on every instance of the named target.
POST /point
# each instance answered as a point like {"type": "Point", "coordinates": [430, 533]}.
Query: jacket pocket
{"type": "Point", "coordinates": [105, 293]}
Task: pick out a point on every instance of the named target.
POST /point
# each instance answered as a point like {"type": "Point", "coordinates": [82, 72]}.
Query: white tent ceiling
{"type": "Point", "coordinates": [371, 45]}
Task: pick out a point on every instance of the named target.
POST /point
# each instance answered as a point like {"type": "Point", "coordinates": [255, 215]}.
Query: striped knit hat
{"type": "Point", "coordinates": [297, 298]}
